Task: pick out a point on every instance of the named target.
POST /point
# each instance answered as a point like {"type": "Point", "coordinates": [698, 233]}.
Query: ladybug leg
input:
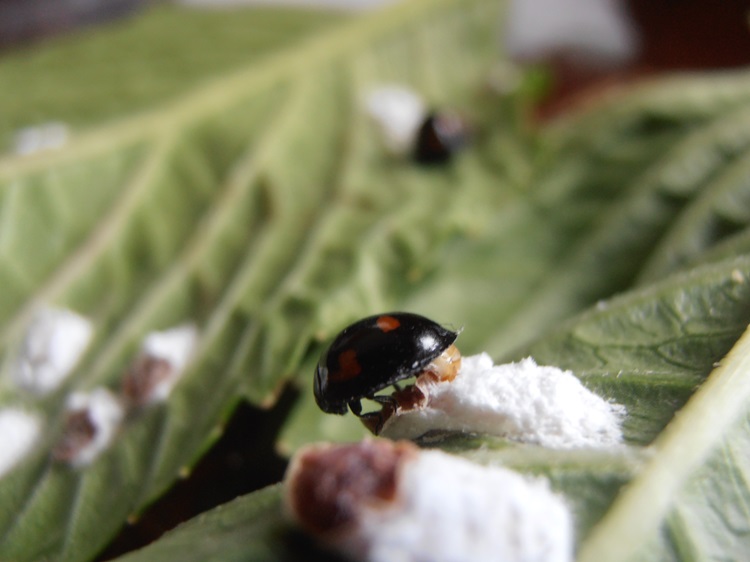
{"type": "Point", "coordinates": [373, 421]}
{"type": "Point", "coordinates": [386, 400]}
{"type": "Point", "coordinates": [356, 407]}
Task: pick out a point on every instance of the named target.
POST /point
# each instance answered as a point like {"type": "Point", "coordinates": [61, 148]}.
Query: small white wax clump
{"type": "Point", "coordinates": [398, 112]}
{"type": "Point", "coordinates": [380, 501]}
{"type": "Point", "coordinates": [19, 432]}
{"type": "Point", "coordinates": [521, 401]}
{"type": "Point", "coordinates": [160, 364]}
{"type": "Point", "coordinates": [54, 343]}
{"type": "Point", "coordinates": [92, 421]}
{"type": "Point", "coordinates": [174, 345]}
{"type": "Point", "coordinates": [47, 136]}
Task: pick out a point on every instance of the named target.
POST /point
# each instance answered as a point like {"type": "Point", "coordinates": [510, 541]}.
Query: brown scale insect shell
{"type": "Point", "coordinates": [78, 432]}
{"type": "Point", "coordinates": [328, 485]}
{"type": "Point", "coordinates": [142, 377]}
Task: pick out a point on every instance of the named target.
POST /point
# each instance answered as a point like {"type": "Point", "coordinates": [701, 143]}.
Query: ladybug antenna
{"type": "Point", "coordinates": [452, 328]}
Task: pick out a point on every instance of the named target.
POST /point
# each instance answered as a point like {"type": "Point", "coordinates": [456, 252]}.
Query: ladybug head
{"type": "Point", "coordinates": [320, 387]}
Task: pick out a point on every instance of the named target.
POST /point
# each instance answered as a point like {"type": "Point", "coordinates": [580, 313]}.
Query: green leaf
{"type": "Point", "coordinates": [250, 528]}
{"type": "Point", "coordinates": [615, 262]}
{"type": "Point", "coordinates": [581, 225]}
{"type": "Point", "coordinates": [258, 206]}
{"type": "Point", "coordinates": [136, 63]}
{"type": "Point", "coordinates": [690, 499]}
{"type": "Point", "coordinates": [689, 486]}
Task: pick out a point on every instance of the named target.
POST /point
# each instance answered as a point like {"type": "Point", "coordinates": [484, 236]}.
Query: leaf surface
{"type": "Point", "coordinates": [261, 206]}
{"type": "Point", "coordinates": [140, 62]}
{"type": "Point", "coordinates": [615, 262]}
{"type": "Point", "coordinates": [686, 489]}
{"type": "Point", "coordinates": [240, 207]}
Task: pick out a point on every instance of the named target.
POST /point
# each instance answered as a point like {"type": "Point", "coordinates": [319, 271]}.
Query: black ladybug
{"type": "Point", "coordinates": [377, 352]}
{"type": "Point", "coordinates": [440, 136]}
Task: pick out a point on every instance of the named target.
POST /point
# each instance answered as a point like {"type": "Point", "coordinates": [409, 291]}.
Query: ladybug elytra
{"type": "Point", "coordinates": [377, 352]}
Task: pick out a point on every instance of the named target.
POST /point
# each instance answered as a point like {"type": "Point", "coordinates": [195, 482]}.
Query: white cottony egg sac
{"type": "Point", "coordinates": [521, 401]}
{"type": "Point", "coordinates": [91, 422]}
{"type": "Point", "coordinates": [159, 365]}
{"type": "Point", "coordinates": [54, 343]}
{"type": "Point", "coordinates": [19, 432]}
{"type": "Point", "coordinates": [384, 501]}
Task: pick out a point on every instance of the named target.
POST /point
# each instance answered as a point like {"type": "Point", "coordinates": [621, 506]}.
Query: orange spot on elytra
{"type": "Point", "coordinates": [387, 323]}
{"type": "Point", "coordinates": [349, 367]}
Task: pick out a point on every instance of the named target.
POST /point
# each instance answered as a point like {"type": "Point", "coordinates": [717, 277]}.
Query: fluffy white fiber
{"type": "Point", "coordinates": [451, 510]}
{"type": "Point", "coordinates": [521, 401]}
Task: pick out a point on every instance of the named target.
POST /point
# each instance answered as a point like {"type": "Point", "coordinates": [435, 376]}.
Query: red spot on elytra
{"type": "Point", "coordinates": [387, 323]}
{"type": "Point", "coordinates": [349, 367]}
